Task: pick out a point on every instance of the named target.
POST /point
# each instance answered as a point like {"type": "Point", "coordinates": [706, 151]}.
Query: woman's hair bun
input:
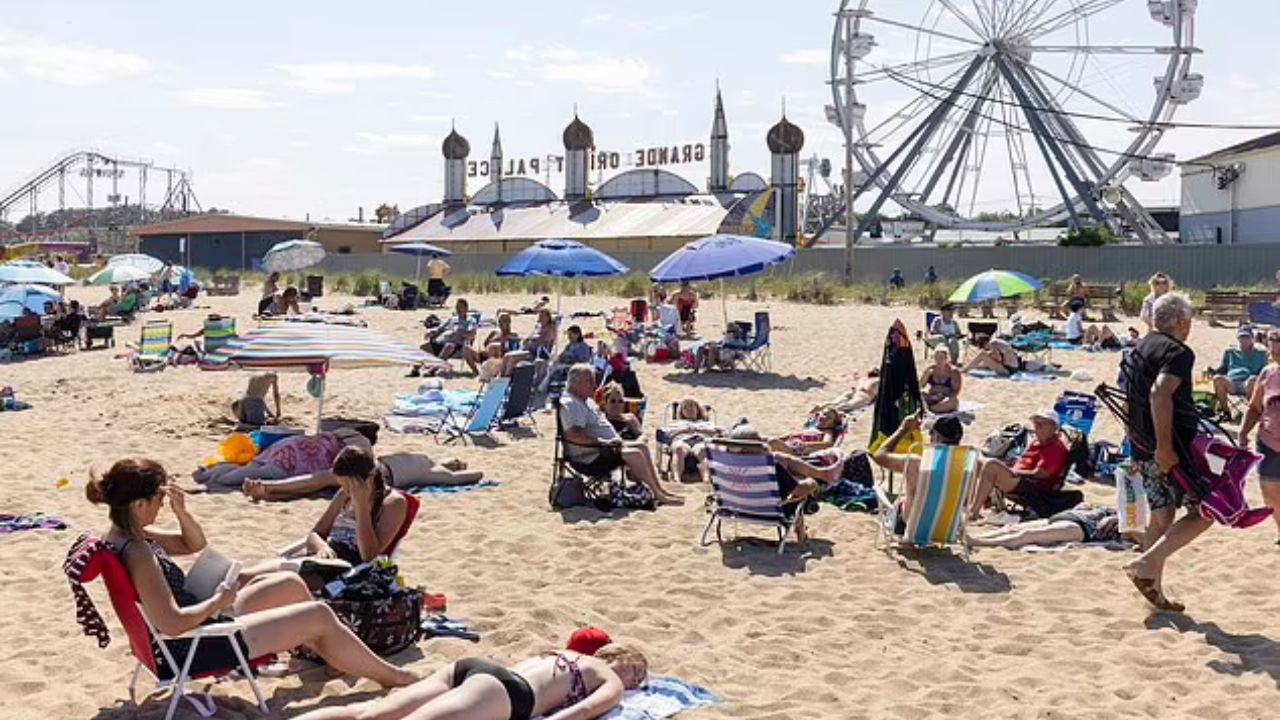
{"type": "Point", "coordinates": [94, 491]}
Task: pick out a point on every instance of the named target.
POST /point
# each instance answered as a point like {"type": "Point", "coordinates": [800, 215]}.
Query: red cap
{"type": "Point", "coordinates": [588, 640]}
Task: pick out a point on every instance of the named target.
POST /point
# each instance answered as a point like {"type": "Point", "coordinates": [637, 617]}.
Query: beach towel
{"type": "Point", "coordinates": [449, 489]}
{"type": "Point", "coordinates": [39, 521]}
{"type": "Point", "coordinates": [441, 626]}
{"type": "Point", "coordinates": [1016, 377]}
{"type": "Point", "coordinates": [850, 496]}
{"type": "Point", "coordinates": [899, 393]}
{"type": "Point", "coordinates": [435, 404]}
{"type": "Point", "coordinates": [662, 697]}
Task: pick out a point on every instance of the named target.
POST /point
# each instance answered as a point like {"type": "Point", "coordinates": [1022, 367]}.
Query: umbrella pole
{"type": "Point", "coordinates": [724, 304]}
{"type": "Point", "coordinates": [320, 405]}
{"type": "Point", "coordinates": [417, 271]}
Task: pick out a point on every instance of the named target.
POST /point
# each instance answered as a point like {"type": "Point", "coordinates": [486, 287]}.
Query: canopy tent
{"type": "Point", "coordinates": [420, 250]}
{"type": "Point", "coordinates": [561, 259]}
{"type": "Point", "coordinates": [292, 255]}
{"type": "Point", "coordinates": [316, 348]}
{"type": "Point", "coordinates": [717, 257]}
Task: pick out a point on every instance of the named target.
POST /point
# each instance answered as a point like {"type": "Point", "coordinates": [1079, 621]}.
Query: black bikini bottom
{"type": "Point", "coordinates": [518, 690]}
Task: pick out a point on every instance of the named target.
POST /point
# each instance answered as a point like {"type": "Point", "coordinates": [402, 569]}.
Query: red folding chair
{"type": "Point", "coordinates": [412, 503]}
{"type": "Point", "coordinates": [89, 559]}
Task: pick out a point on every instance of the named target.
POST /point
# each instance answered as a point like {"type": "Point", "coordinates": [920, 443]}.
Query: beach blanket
{"type": "Point", "coordinates": [434, 404]}
{"type": "Point", "coordinates": [1113, 545]}
{"type": "Point", "coordinates": [325, 319]}
{"type": "Point", "coordinates": [39, 521]}
{"type": "Point", "coordinates": [662, 697]}
{"type": "Point", "coordinates": [449, 489]}
{"type": "Point", "coordinates": [899, 393]}
{"type": "Point", "coordinates": [1016, 377]}
{"type": "Point", "coordinates": [850, 496]}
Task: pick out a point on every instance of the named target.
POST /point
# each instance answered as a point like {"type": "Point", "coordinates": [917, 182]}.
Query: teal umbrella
{"type": "Point", "coordinates": [993, 285]}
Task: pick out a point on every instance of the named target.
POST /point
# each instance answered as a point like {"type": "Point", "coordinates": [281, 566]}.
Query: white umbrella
{"type": "Point", "coordinates": [118, 275]}
{"type": "Point", "coordinates": [16, 298]}
{"type": "Point", "coordinates": [27, 273]}
{"type": "Point", "coordinates": [146, 263]}
{"type": "Point", "coordinates": [292, 255]}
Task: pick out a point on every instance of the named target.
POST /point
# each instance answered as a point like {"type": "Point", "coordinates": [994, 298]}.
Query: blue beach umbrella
{"type": "Point", "coordinates": [24, 272]}
{"type": "Point", "coordinates": [993, 285]}
{"type": "Point", "coordinates": [717, 257]}
{"type": "Point", "coordinates": [561, 258]}
{"type": "Point", "coordinates": [420, 250]}
{"type": "Point", "coordinates": [16, 298]}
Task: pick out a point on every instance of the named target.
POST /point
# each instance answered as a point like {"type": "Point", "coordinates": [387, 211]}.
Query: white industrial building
{"type": "Point", "coordinates": [1232, 196]}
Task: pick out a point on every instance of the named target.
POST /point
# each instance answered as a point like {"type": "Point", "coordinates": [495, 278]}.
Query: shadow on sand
{"type": "Point", "coordinates": [1255, 653]}
{"type": "Point", "coordinates": [760, 556]}
{"type": "Point", "coordinates": [943, 567]}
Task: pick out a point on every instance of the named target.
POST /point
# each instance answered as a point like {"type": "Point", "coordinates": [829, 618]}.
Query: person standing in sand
{"type": "Point", "coordinates": [1264, 414]}
{"type": "Point", "coordinates": [1163, 421]}
{"type": "Point", "coordinates": [270, 287]}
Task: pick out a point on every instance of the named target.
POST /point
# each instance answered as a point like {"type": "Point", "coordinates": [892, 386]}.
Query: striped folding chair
{"type": "Point", "coordinates": [153, 347]}
{"type": "Point", "coordinates": [944, 485]}
{"type": "Point", "coordinates": [744, 484]}
{"type": "Point", "coordinates": [218, 333]}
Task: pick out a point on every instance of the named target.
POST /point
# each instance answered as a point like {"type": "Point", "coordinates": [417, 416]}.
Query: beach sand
{"type": "Point", "coordinates": [832, 629]}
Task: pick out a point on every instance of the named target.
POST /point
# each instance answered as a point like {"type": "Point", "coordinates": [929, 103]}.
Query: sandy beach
{"type": "Point", "coordinates": [831, 629]}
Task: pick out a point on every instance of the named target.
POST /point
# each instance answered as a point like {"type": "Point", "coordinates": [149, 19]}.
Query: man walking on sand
{"type": "Point", "coordinates": [1162, 423]}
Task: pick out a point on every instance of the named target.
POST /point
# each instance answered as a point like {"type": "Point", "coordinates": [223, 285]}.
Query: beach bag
{"type": "Point", "coordinates": [388, 625]}
{"type": "Point", "coordinates": [1007, 442]}
{"type": "Point", "coordinates": [635, 496]}
{"type": "Point", "coordinates": [568, 491]}
{"type": "Point", "coordinates": [1131, 500]}
{"type": "Point", "coordinates": [1217, 479]}
{"type": "Point", "coordinates": [857, 469]}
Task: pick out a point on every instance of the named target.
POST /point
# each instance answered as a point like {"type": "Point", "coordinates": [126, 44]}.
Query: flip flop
{"type": "Point", "coordinates": [1147, 587]}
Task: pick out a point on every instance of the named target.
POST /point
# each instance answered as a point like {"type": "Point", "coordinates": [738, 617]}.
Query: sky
{"type": "Point", "coordinates": [295, 109]}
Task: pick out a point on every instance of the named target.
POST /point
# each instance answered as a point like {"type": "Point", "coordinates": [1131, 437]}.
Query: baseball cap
{"type": "Point", "coordinates": [1048, 414]}
{"type": "Point", "coordinates": [1244, 331]}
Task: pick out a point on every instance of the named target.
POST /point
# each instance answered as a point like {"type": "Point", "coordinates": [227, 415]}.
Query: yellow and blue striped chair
{"type": "Point", "coordinates": [153, 348]}
{"type": "Point", "coordinates": [945, 483]}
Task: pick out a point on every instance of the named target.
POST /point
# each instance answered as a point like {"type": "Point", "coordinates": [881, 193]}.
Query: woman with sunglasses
{"type": "Point", "coordinates": [1264, 414]}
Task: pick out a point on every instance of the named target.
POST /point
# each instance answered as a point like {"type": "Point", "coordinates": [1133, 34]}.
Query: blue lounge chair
{"type": "Point", "coordinates": [754, 354]}
{"type": "Point", "coordinates": [482, 418]}
{"type": "Point", "coordinates": [744, 485]}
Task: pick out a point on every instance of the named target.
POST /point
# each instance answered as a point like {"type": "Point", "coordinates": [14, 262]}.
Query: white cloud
{"type": "Point", "coordinates": [431, 119]}
{"type": "Point", "coordinates": [228, 98]}
{"type": "Point", "coordinates": [344, 77]}
{"type": "Point", "coordinates": [75, 65]}
{"type": "Point", "coordinates": [501, 75]}
{"type": "Point", "coordinates": [591, 70]}
{"type": "Point", "coordinates": [808, 56]}
{"type": "Point", "coordinates": [371, 143]}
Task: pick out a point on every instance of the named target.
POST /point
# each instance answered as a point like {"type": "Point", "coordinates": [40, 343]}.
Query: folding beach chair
{"type": "Point", "coordinates": [1264, 314]}
{"type": "Point", "coordinates": [88, 559]}
{"type": "Point", "coordinates": [28, 336]}
{"type": "Point", "coordinates": [662, 438]}
{"type": "Point", "coordinates": [519, 402]}
{"type": "Point", "coordinates": [1076, 411]}
{"type": "Point", "coordinates": [153, 348]}
{"type": "Point", "coordinates": [744, 487]}
{"type": "Point", "coordinates": [482, 418]}
{"type": "Point", "coordinates": [755, 353]}
{"type": "Point", "coordinates": [945, 483]}
{"type": "Point", "coordinates": [574, 483]}
{"type": "Point", "coordinates": [218, 333]}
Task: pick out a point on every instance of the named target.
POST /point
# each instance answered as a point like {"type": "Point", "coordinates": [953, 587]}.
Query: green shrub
{"type": "Point", "coordinates": [1092, 236]}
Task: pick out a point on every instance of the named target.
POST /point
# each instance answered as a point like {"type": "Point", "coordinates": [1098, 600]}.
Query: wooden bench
{"type": "Point", "coordinates": [1104, 298]}
{"type": "Point", "coordinates": [1050, 299]}
{"type": "Point", "coordinates": [224, 285]}
{"type": "Point", "coordinates": [1229, 307]}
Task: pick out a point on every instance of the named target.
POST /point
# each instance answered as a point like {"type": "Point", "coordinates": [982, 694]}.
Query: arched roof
{"type": "Point", "coordinates": [515, 191]}
{"type": "Point", "coordinates": [644, 182]}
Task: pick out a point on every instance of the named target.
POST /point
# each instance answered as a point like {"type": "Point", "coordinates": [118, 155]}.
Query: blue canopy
{"type": "Point", "coordinates": [562, 258]}
{"type": "Point", "coordinates": [721, 256]}
{"type": "Point", "coordinates": [15, 298]}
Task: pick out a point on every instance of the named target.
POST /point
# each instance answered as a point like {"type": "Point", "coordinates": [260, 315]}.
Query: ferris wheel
{"type": "Point", "coordinates": [1007, 115]}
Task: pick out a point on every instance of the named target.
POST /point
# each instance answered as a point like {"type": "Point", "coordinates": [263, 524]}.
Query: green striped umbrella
{"type": "Point", "coordinates": [994, 284]}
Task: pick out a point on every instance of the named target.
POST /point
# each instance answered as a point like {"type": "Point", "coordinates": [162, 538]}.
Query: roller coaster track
{"type": "Point", "coordinates": [88, 165]}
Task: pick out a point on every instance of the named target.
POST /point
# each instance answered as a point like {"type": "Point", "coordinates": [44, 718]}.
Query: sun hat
{"type": "Point", "coordinates": [1048, 414]}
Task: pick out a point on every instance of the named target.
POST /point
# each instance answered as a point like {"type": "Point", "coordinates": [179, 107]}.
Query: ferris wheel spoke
{"type": "Point", "coordinates": [1084, 93]}
{"type": "Point", "coordinates": [985, 139]}
{"type": "Point", "coordinates": [1105, 49]}
{"type": "Point", "coordinates": [1032, 13]}
{"type": "Point", "coordinates": [1076, 13]}
{"type": "Point", "coordinates": [961, 138]}
{"type": "Point", "coordinates": [881, 72]}
{"type": "Point", "coordinates": [917, 28]}
{"type": "Point", "coordinates": [986, 17]}
{"type": "Point", "coordinates": [1009, 148]}
{"type": "Point", "coordinates": [909, 111]}
{"type": "Point", "coordinates": [977, 28]}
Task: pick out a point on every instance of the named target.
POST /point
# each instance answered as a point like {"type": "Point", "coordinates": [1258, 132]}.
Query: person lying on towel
{"type": "Point", "coordinates": [559, 684]}
{"type": "Point", "coordinates": [398, 470]}
{"type": "Point", "coordinates": [1082, 523]}
{"type": "Point", "coordinates": [290, 457]}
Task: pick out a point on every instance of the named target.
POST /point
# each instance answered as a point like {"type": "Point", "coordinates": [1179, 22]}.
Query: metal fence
{"type": "Point", "coordinates": [1200, 266]}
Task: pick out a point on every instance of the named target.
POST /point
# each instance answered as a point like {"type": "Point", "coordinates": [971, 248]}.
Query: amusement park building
{"type": "Point", "coordinates": [1232, 196]}
{"type": "Point", "coordinates": [647, 208]}
{"type": "Point", "coordinates": [238, 241]}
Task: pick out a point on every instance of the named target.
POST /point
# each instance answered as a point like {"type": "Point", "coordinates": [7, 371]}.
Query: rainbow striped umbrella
{"type": "Point", "coordinates": [316, 348]}
{"type": "Point", "coordinates": [993, 285]}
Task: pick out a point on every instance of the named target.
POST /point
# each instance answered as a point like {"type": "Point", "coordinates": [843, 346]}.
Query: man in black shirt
{"type": "Point", "coordinates": [1162, 423]}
